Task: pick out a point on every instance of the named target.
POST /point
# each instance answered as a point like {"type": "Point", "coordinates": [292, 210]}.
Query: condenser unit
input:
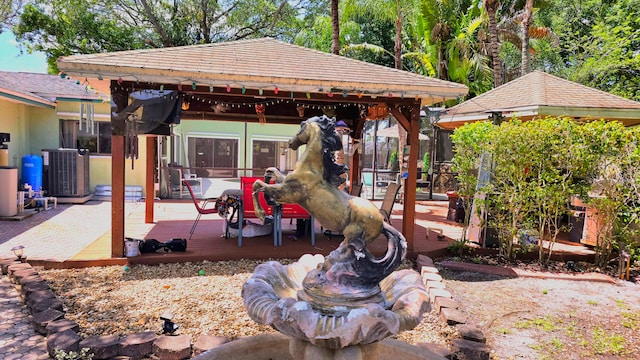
{"type": "Point", "coordinates": [68, 172]}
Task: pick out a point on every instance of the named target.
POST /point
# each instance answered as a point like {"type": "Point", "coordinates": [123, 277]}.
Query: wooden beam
{"type": "Point", "coordinates": [149, 179]}
{"type": "Point", "coordinates": [120, 98]}
{"type": "Point", "coordinates": [117, 196]}
{"type": "Point", "coordinates": [412, 126]}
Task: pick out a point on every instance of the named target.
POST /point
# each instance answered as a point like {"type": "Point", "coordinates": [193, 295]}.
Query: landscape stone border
{"type": "Point", "coordinates": [48, 316]}
{"type": "Point", "coordinates": [473, 343]}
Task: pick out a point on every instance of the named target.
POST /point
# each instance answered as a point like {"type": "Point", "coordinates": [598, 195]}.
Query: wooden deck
{"type": "Point", "coordinates": [173, 219]}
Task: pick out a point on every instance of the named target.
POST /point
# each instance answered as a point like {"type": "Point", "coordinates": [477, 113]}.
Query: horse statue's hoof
{"type": "Point", "coordinates": [268, 220]}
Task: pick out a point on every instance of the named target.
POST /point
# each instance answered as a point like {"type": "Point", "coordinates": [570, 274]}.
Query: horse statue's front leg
{"type": "Point", "coordinates": [269, 195]}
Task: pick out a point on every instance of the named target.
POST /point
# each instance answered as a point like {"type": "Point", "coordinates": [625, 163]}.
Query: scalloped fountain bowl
{"type": "Point", "coordinates": [274, 296]}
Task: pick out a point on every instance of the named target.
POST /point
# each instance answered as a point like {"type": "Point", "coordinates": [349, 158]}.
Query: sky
{"type": "Point", "coordinates": [12, 60]}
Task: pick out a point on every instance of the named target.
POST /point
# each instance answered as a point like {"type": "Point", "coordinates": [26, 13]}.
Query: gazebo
{"type": "Point", "coordinates": [537, 95]}
{"type": "Point", "coordinates": [268, 77]}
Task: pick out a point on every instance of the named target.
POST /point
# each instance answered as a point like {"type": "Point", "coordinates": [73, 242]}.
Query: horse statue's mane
{"type": "Point", "coordinates": [331, 142]}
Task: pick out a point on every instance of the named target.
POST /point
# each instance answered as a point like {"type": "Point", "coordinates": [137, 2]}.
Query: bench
{"type": "Point", "coordinates": [285, 211]}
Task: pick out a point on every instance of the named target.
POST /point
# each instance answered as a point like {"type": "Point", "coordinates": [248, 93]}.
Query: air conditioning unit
{"type": "Point", "coordinates": [68, 172]}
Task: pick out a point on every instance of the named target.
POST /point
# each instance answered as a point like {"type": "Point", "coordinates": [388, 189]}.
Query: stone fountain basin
{"type": "Point", "coordinates": [277, 347]}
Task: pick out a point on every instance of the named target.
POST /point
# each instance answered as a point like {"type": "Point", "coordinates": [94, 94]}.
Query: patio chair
{"type": "Point", "coordinates": [201, 207]}
{"type": "Point", "coordinates": [180, 176]}
{"type": "Point", "coordinates": [390, 197]}
{"type": "Point", "coordinates": [356, 189]}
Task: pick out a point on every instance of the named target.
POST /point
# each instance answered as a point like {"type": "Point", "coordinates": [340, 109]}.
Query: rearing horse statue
{"type": "Point", "coordinates": [314, 185]}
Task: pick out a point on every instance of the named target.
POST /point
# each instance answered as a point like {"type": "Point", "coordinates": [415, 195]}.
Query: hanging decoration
{"type": "Point", "coordinates": [228, 88]}
{"type": "Point", "coordinates": [219, 108]}
{"type": "Point", "coordinates": [301, 109]}
{"type": "Point", "coordinates": [193, 85]}
{"type": "Point", "coordinates": [131, 138]}
{"type": "Point", "coordinates": [87, 116]}
{"type": "Point", "coordinates": [377, 112]}
{"type": "Point", "coordinates": [330, 111]}
{"type": "Point", "coordinates": [275, 90]}
{"type": "Point", "coordinates": [260, 109]}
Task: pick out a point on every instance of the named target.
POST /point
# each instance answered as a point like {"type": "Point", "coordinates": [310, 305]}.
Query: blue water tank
{"type": "Point", "coordinates": [32, 171]}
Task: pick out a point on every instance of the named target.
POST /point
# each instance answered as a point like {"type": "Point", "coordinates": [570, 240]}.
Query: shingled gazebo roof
{"type": "Point", "coordinates": [539, 94]}
{"type": "Point", "coordinates": [259, 64]}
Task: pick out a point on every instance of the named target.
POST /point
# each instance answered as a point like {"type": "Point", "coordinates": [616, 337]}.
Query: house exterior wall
{"type": "Point", "coordinates": [13, 120]}
{"type": "Point", "coordinates": [34, 128]}
{"type": "Point", "coordinates": [234, 130]}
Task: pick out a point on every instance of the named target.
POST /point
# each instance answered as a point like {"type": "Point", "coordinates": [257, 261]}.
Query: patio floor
{"type": "Point", "coordinates": [79, 235]}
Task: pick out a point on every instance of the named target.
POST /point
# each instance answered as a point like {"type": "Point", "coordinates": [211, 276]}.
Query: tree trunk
{"type": "Point", "coordinates": [526, 23]}
{"type": "Point", "coordinates": [397, 48]}
{"type": "Point", "coordinates": [491, 6]}
{"type": "Point", "coordinates": [335, 28]}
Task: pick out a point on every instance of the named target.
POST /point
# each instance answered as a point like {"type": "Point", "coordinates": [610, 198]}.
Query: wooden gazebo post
{"type": "Point", "coordinates": [120, 98]}
{"type": "Point", "coordinates": [149, 184]}
{"type": "Point", "coordinates": [412, 126]}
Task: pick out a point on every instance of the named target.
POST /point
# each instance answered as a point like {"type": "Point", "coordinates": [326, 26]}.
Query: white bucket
{"type": "Point", "coordinates": [131, 247]}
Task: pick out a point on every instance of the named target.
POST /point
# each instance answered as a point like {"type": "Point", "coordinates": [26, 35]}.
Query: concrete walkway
{"type": "Point", "coordinates": [58, 234]}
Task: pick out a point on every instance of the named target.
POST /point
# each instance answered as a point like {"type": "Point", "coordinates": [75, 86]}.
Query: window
{"type": "Point", "coordinates": [213, 157]}
{"type": "Point", "coordinates": [268, 153]}
{"type": "Point", "coordinates": [98, 142]}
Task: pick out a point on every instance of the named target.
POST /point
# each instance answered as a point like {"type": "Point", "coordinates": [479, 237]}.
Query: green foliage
{"type": "Point", "coordinates": [458, 247]}
{"type": "Point", "coordinates": [598, 44]}
{"type": "Point", "coordinates": [83, 354]}
{"type": "Point", "coordinates": [537, 166]}
{"type": "Point", "coordinates": [469, 145]}
{"type": "Point", "coordinates": [65, 27]}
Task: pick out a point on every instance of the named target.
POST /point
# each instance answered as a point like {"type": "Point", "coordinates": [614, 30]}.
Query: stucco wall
{"type": "Point", "coordinates": [236, 130]}
{"type": "Point", "coordinates": [100, 173]}
{"type": "Point", "coordinates": [13, 120]}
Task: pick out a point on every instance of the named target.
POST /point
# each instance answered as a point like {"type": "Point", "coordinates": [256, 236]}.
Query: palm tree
{"type": "Point", "coordinates": [335, 28]}
{"type": "Point", "coordinates": [526, 23]}
{"type": "Point", "coordinates": [491, 7]}
{"type": "Point", "coordinates": [516, 28]}
{"type": "Point", "coordinates": [386, 10]}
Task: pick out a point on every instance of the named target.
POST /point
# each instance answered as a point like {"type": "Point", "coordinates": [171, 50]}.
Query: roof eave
{"type": "Point", "coordinates": [25, 98]}
{"type": "Point", "coordinates": [154, 75]}
{"type": "Point", "coordinates": [627, 116]}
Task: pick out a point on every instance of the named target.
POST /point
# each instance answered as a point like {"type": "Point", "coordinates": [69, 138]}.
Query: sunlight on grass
{"type": "Point", "coordinates": [604, 342]}
{"type": "Point", "coordinates": [546, 324]}
{"type": "Point", "coordinates": [504, 331]}
{"type": "Point", "coordinates": [630, 320]}
{"type": "Point", "coordinates": [557, 344]}
{"type": "Point", "coordinates": [621, 304]}
{"type": "Point", "coordinates": [592, 302]}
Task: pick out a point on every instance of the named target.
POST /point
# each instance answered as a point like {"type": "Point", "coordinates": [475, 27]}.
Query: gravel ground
{"type": "Point", "coordinates": [204, 297]}
{"type": "Point", "coordinates": [548, 319]}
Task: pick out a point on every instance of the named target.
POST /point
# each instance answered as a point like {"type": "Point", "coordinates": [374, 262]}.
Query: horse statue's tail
{"type": "Point", "coordinates": [371, 270]}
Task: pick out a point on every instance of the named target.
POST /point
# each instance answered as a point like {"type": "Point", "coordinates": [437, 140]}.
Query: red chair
{"type": "Point", "coordinates": [202, 208]}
